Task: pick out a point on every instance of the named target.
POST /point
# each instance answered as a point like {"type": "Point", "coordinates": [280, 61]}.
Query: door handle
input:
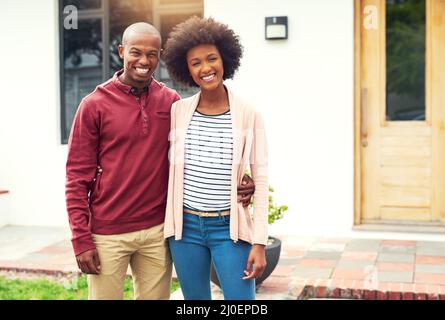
{"type": "Point", "coordinates": [364, 118]}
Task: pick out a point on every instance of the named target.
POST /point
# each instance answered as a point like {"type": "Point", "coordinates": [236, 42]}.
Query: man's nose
{"type": "Point", "coordinates": [144, 60]}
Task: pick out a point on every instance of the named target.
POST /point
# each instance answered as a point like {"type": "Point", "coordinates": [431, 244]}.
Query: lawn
{"type": "Point", "coordinates": [47, 289]}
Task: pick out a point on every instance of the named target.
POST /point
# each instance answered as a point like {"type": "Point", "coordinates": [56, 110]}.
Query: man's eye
{"type": "Point", "coordinates": [134, 53]}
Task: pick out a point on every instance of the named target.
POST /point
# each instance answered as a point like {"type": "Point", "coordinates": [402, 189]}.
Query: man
{"type": "Point", "coordinates": [117, 175]}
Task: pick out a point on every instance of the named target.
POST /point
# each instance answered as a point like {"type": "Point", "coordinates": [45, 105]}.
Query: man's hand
{"type": "Point", "coordinates": [88, 262]}
{"type": "Point", "coordinates": [246, 190]}
{"type": "Point", "coordinates": [257, 258]}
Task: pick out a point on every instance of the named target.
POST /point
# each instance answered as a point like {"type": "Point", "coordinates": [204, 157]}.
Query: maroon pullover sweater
{"type": "Point", "coordinates": [117, 166]}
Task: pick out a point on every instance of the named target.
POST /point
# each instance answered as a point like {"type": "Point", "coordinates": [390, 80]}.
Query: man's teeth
{"type": "Point", "coordinates": [142, 70]}
{"type": "Point", "coordinates": [208, 78]}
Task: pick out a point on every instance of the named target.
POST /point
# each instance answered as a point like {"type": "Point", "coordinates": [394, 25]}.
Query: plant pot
{"type": "Point", "coordinates": [273, 251]}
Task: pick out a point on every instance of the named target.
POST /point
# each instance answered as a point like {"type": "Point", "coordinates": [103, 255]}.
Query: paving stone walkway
{"type": "Point", "coordinates": [309, 267]}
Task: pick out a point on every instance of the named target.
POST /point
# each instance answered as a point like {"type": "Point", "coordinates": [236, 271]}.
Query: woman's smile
{"type": "Point", "coordinates": [209, 78]}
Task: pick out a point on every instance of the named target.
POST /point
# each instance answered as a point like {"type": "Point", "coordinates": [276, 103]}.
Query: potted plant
{"type": "Point", "coordinates": [273, 247]}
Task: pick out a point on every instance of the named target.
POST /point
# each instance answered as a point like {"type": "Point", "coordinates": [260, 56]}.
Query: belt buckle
{"type": "Point", "coordinates": [205, 214]}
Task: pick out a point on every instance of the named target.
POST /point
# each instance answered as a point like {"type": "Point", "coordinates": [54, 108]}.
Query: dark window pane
{"type": "Point", "coordinates": [122, 14]}
{"type": "Point", "coordinates": [405, 64]}
{"type": "Point", "coordinates": [82, 62]}
{"type": "Point", "coordinates": [83, 4]}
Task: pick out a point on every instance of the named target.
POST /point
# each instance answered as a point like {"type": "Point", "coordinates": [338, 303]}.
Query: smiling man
{"type": "Point", "coordinates": [140, 50]}
{"type": "Point", "coordinates": [117, 175]}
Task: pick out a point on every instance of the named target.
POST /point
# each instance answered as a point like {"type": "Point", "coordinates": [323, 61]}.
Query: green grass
{"type": "Point", "coordinates": [44, 289]}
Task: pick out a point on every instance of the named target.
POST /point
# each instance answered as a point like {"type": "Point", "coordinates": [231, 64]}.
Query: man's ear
{"type": "Point", "coordinates": [120, 50]}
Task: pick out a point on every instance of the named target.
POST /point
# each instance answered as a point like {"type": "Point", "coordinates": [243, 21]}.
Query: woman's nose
{"type": "Point", "coordinates": [205, 67]}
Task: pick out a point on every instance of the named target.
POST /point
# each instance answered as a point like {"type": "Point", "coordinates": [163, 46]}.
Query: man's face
{"type": "Point", "coordinates": [141, 56]}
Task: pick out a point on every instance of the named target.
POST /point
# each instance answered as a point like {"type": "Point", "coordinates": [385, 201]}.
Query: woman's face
{"type": "Point", "coordinates": [205, 66]}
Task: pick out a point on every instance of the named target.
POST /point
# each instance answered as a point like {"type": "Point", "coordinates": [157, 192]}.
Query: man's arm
{"type": "Point", "coordinates": [81, 169]}
{"type": "Point", "coordinates": [246, 190]}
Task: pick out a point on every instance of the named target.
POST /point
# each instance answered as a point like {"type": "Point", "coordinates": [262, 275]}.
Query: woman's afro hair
{"type": "Point", "coordinates": [196, 31]}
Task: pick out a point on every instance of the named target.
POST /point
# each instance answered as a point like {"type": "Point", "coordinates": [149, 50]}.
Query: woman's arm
{"type": "Point", "coordinates": [259, 168]}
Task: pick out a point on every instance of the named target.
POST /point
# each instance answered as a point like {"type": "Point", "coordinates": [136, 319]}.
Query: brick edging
{"type": "Point", "coordinates": [347, 289]}
{"type": "Point", "coordinates": [40, 271]}
{"type": "Point", "coordinates": [50, 272]}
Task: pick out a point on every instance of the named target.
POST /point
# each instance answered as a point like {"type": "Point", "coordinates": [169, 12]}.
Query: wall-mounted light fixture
{"type": "Point", "coordinates": [276, 28]}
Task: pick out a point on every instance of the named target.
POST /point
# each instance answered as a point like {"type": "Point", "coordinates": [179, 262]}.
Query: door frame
{"type": "Point", "coordinates": [438, 191]}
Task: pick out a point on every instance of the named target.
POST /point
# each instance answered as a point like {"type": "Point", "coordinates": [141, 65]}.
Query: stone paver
{"type": "Point", "coordinates": [431, 251]}
{"type": "Point", "coordinates": [311, 272]}
{"type": "Point", "coordinates": [345, 264]}
{"type": "Point", "coordinates": [396, 257]}
{"type": "Point", "coordinates": [398, 249]}
{"type": "Point", "coordinates": [322, 255]}
{"type": "Point", "coordinates": [430, 268]}
{"type": "Point", "coordinates": [395, 276]}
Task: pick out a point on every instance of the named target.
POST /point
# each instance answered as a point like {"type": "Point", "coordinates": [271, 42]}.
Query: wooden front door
{"type": "Point", "coordinates": [400, 111]}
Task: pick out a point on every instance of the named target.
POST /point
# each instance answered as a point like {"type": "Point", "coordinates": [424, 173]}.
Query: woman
{"type": "Point", "coordinates": [214, 137]}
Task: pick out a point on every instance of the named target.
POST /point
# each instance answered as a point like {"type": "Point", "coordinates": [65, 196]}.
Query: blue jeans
{"type": "Point", "coordinates": [206, 239]}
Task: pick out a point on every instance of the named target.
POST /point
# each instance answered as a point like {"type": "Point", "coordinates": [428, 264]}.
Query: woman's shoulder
{"type": "Point", "coordinates": [242, 104]}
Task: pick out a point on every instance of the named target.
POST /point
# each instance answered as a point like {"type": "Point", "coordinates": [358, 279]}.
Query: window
{"type": "Point", "coordinates": [88, 53]}
{"type": "Point", "coordinates": [405, 60]}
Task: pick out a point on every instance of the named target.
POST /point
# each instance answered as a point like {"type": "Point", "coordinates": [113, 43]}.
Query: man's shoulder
{"type": "Point", "coordinates": [165, 90]}
{"type": "Point", "coordinates": [98, 93]}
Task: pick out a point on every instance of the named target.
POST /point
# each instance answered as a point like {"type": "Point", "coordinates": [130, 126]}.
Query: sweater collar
{"type": "Point", "coordinates": [126, 88]}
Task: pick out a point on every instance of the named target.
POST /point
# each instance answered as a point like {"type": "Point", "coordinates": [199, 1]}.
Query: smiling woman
{"type": "Point", "coordinates": [222, 135]}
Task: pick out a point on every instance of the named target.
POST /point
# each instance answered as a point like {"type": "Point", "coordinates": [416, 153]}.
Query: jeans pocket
{"type": "Point", "coordinates": [225, 219]}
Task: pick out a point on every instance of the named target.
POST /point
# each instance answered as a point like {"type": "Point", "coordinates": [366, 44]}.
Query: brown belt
{"type": "Point", "coordinates": [207, 214]}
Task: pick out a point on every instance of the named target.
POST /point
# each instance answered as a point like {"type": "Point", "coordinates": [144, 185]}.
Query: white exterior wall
{"type": "Point", "coordinates": [304, 89]}
{"type": "Point", "coordinates": [32, 159]}
{"type": "Point", "coordinates": [4, 209]}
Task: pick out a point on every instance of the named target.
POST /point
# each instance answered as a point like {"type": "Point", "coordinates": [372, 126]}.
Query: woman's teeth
{"type": "Point", "coordinates": [209, 77]}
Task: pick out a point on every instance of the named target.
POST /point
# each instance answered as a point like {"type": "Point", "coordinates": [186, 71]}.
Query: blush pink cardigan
{"type": "Point", "coordinates": [249, 149]}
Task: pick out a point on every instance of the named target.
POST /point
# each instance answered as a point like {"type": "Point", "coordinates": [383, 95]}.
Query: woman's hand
{"type": "Point", "coordinates": [257, 258]}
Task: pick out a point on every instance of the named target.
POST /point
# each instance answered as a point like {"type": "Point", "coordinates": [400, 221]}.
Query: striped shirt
{"type": "Point", "coordinates": [208, 162]}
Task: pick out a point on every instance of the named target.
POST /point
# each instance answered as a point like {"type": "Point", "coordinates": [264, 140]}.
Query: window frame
{"type": "Point", "coordinates": [102, 14]}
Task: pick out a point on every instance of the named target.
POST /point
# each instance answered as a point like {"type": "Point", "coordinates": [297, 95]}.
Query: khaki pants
{"type": "Point", "coordinates": [149, 257]}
